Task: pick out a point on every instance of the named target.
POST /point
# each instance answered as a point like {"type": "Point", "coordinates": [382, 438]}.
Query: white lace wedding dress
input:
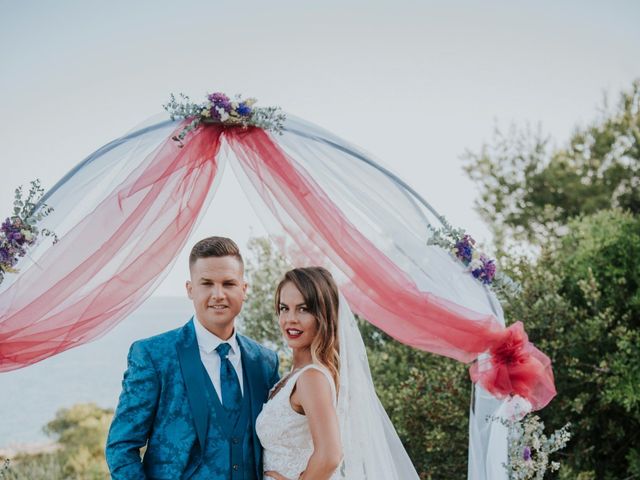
{"type": "Point", "coordinates": [284, 433]}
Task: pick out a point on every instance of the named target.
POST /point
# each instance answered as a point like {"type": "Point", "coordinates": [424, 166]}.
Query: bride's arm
{"type": "Point", "coordinates": [313, 397]}
{"type": "Point", "coordinates": [314, 394]}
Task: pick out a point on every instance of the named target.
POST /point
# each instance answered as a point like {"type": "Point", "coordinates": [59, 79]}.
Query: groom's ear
{"type": "Point", "coordinates": [189, 286]}
{"type": "Point", "coordinates": [245, 285]}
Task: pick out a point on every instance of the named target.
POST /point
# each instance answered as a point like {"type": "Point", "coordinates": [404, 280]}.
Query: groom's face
{"type": "Point", "coordinates": [217, 289]}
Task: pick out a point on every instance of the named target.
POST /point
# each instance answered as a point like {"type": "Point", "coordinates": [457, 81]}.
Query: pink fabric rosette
{"type": "Point", "coordinates": [516, 367]}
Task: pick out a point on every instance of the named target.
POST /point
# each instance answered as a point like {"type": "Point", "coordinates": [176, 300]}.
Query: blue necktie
{"type": "Point", "coordinates": [229, 384]}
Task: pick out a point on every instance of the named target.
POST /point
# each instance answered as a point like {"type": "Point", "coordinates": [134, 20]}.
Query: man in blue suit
{"type": "Point", "coordinates": [192, 395]}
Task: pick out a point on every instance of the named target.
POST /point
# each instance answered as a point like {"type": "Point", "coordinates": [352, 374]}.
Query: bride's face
{"type": "Point", "coordinates": [299, 327]}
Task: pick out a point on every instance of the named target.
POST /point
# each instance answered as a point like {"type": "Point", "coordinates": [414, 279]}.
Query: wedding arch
{"type": "Point", "coordinates": [122, 215]}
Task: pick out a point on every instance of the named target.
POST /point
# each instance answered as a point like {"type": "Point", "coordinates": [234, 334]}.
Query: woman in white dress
{"type": "Point", "coordinates": [298, 427]}
{"type": "Point", "coordinates": [323, 421]}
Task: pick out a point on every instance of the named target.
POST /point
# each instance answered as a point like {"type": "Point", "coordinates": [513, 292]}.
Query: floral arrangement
{"type": "Point", "coordinates": [530, 448]}
{"type": "Point", "coordinates": [219, 108]}
{"type": "Point", "coordinates": [20, 231]}
{"type": "Point", "coordinates": [480, 266]}
{"type": "Point", "coordinates": [462, 246]}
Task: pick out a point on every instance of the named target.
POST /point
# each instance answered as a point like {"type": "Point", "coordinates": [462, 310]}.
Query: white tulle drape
{"type": "Point", "coordinates": [397, 221]}
{"type": "Point", "coordinates": [371, 447]}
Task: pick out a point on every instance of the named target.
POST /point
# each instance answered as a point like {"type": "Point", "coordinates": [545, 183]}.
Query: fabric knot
{"type": "Point", "coordinates": [511, 348]}
{"type": "Point", "coordinates": [223, 350]}
{"type": "Point", "coordinates": [515, 367]}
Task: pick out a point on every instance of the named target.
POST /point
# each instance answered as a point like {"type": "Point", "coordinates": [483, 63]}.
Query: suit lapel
{"type": "Point", "coordinates": [252, 368]}
{"type": "Point", "coordinates": [191, 367]}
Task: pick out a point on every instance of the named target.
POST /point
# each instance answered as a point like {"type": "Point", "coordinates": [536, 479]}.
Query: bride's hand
{"type": "Point", "coordinates": [275, 475]}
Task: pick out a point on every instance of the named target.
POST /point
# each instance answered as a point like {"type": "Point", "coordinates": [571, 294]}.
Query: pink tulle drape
{"type": "Point", "coordinates": [107, 264]}
{"type": "Point", "coordinates": [379, 290]}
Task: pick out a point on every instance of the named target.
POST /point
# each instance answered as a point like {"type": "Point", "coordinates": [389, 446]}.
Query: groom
{"type": "Point", "coordinates": [192, 395]}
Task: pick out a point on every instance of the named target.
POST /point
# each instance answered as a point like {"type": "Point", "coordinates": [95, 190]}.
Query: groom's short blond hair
{"type": "Point", "coordinates": [215, 247]}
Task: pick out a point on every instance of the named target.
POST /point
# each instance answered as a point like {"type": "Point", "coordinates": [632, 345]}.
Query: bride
{"type": "Point", "coordinates": [324, 421]}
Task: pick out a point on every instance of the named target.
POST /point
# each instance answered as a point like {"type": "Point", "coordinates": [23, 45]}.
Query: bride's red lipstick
{"type": "Point", "coordinates": [293, 333]}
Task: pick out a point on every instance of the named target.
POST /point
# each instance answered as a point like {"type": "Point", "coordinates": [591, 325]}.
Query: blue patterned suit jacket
{"type": "Point", "coordinates": [163, 405]}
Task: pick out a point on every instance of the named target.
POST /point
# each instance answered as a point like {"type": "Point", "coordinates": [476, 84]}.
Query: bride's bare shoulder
{"type": "Point", "coordinates": [315, 381]}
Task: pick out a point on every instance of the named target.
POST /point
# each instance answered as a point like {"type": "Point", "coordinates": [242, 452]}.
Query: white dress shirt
{"type": "Point", "coordinates": [207, 343]}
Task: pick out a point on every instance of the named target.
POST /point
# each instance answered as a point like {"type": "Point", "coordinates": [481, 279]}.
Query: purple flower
{"type": "Point", "coordinates": [214, 113]}
{"type": "Point", "coordinates": [4, 255]}
{"type": "Point", "coordinates": [489, 269]}
{"type": "Point", "coordinates": [12, 231]}
{"type": "Point", "coordinates": [526, 454]}
{"type": "Point", "coordinates": [244, 110]}
{"type": "Point", "coordinates": [464, 249]}
{"type": "Point", "coordinates": [220, 100]}
{"type": "Point", "coordinates": [486, 272]}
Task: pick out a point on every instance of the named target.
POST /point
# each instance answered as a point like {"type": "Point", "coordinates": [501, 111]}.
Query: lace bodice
{"type": "Point", "coordinates": [284, 433]}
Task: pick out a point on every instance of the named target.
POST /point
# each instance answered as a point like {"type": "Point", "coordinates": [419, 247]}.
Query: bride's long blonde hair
{"type": "Point", "coordinates": [320, 294]}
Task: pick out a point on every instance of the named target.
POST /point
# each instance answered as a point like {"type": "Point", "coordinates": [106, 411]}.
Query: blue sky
{"type": "Point", "coordinates": [415, 83]}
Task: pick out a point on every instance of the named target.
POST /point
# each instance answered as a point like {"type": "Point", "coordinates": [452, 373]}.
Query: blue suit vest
{"type": "Point", "coordinates": [236, 443]}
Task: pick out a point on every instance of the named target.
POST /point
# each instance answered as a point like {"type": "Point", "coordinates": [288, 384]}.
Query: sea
{"type": "Point", "coordinates": [31, 396]}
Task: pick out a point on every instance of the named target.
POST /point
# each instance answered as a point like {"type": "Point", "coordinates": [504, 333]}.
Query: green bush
{"type": "Point", "coordinates": [580, 303]}
{"type": "Point", "coordinates": [34, 467]}
{"type": "Point", "coordinates": [81, 433]}
{"type": "Point", "coordinates": [427, 398]}
{"type": "Point", "coordinates": [530, 190]}
{"type": "Point", "coordinates": [265, 268]}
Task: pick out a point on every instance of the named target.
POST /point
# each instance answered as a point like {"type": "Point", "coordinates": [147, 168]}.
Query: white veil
{"type": "Point", "coordinates": [372, 449]}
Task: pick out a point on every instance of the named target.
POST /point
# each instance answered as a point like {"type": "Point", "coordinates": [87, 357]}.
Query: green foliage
{"type": "Point", "coordinates": [427, 398]}
{"type": "Point", "coordinates": [529, 191]}
{"type": "Point", "coordinates": [578, 207]}
{"type": "Point", "coordinates": [580, 305]}
{"type": "Point", "coordinates": [264, 270]}
{"type": "Point", "coordinates": [42, 466]}
{"type": "Point", "coordinates": [81, 432]}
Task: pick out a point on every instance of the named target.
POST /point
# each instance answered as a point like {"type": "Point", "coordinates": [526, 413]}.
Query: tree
{"type": "Point", "coordinates": [427, 398]}
{"type": "Point", "coordinates": [581, 305]}
{"type": "Point", "coordinates": [265, 268]}
{"type": "Point", "coordinates": [578, 207]}
{"type": "Point", "coordinates": [81, 433]}
{"type": "Point", "coordinates": [530, 191]}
